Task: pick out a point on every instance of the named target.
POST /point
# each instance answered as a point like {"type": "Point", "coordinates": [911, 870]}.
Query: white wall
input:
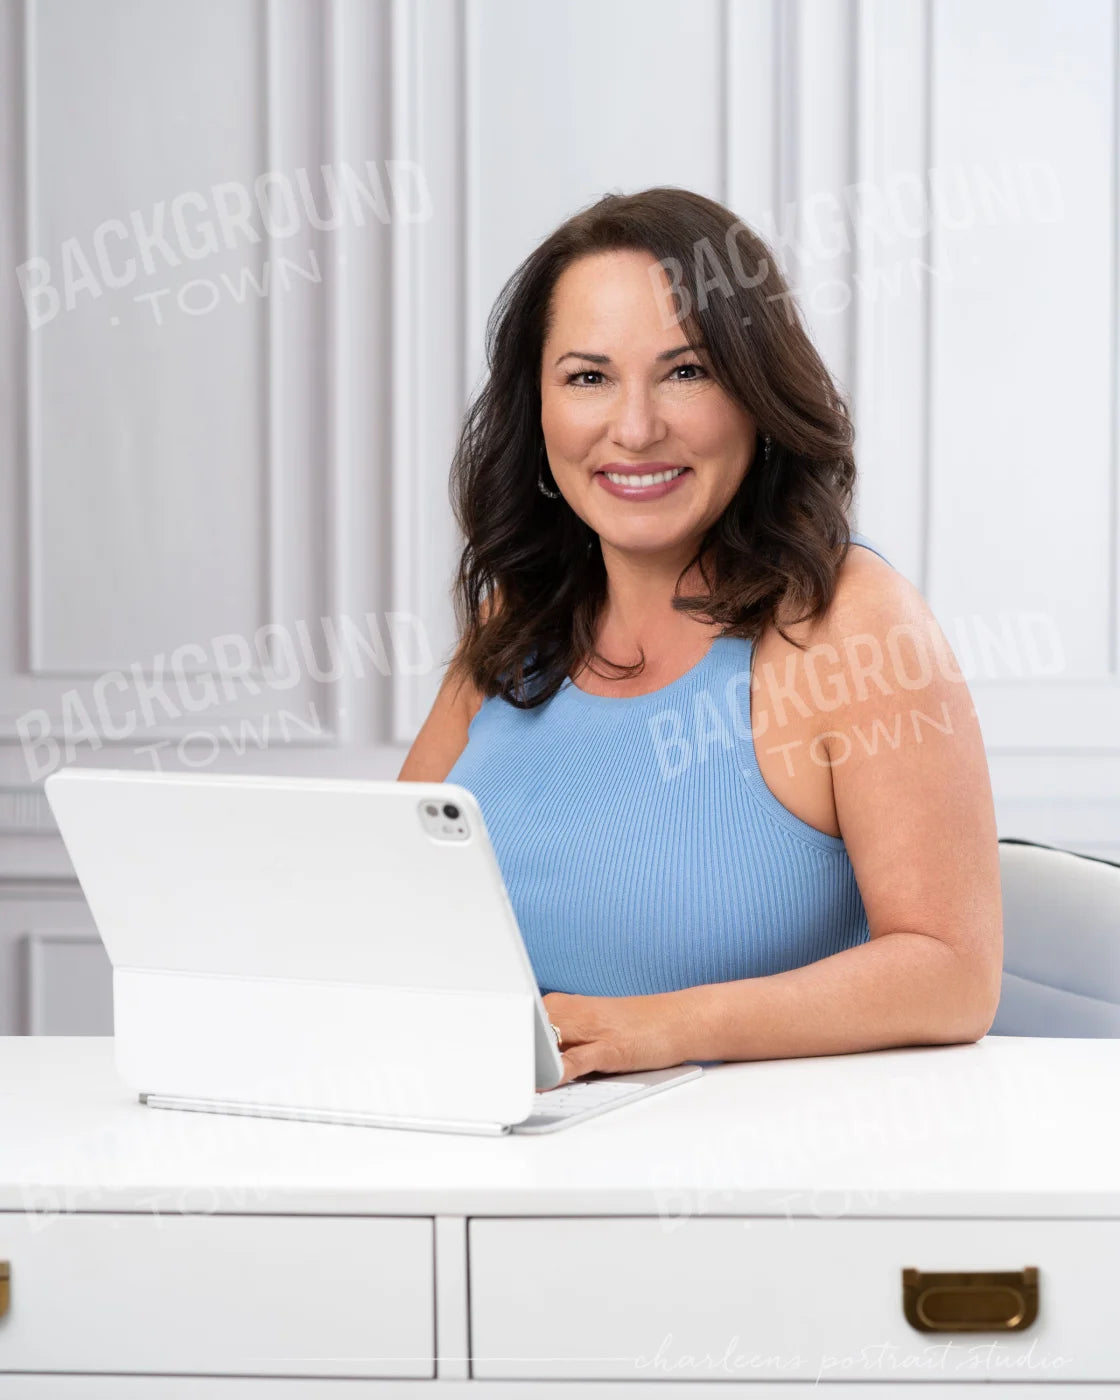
{"type": "Point", "coordinates": [185, 458]}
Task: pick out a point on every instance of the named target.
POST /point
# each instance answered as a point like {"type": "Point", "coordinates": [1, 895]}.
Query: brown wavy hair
{"type": "Point", "coordinates": [780, 541]}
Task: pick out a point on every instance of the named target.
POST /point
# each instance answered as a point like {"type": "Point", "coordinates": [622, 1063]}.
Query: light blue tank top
{"type": "Point", "coordinates": [641, 848]}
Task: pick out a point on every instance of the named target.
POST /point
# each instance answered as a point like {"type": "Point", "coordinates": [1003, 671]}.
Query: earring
{"type": "Point", "coordinates": [766, 444]}
{"type": "Point", "coordinates": [541, 487]}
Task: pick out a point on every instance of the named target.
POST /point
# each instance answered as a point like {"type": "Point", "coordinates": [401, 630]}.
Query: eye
{"type": "Point", "coordinates": [691, 365]}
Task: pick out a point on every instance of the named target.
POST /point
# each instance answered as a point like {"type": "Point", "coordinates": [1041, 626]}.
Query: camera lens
{"type": "Point", "coordinates": [432, 810]}
{"type": "Point", "coordinates": [450, 810]}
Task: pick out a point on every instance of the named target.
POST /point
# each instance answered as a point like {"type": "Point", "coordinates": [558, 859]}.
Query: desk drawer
{"type": "Point", "coordinates": [266, 1295]}
{"type": "Point", "coordinates": [791, 1299]}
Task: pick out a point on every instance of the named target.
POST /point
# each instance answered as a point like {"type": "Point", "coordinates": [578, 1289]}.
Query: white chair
{"type": "Point", "coordinates": [1061, 943]}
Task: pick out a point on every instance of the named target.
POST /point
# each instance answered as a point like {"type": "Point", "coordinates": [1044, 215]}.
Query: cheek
{"type": "Point", "coordinates": [564, 419]}
{"type": "Point", "coordinates": [553, 411]}
{"type": "Point", "coordinates": [710, 429]}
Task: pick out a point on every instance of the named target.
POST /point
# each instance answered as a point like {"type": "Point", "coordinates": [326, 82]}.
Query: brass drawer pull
{"type": "Point", "coordinates": [5, 1289]}
{"type": "Point", "coordinates": [974, 1302]}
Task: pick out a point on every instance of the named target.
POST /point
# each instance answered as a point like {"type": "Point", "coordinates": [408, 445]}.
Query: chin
{"type": "Point", "coordinates": [654, 540]}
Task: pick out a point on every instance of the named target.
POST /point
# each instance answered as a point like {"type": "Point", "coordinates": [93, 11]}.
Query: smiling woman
{"type": "Point", "coordinates": [654, 486]}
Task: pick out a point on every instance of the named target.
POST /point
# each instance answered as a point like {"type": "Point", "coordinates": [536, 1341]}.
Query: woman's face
{"type": "Point", "coordinates": [620, 388]}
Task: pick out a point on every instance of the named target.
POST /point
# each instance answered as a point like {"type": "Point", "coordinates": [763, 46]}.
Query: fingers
{"type": "Point", "coordinates": [582, 1059]}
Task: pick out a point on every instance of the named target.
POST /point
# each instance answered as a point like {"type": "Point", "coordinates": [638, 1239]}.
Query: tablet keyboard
{"type": "Point", "coordinates": [582, 1099]}
{"type": "Point", "coordinates": [555, 1108]}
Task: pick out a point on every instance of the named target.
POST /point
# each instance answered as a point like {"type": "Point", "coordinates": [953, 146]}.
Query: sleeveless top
{"type": "Point", "coordinates": [640, 846]}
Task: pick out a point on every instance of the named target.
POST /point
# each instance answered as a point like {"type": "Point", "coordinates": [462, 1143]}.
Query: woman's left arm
{"type": "Point", "coordinates": [914, 804]}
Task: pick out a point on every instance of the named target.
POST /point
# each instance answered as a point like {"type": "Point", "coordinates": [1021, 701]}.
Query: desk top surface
{"type": "Point", "coordinates": [1004, 1127]}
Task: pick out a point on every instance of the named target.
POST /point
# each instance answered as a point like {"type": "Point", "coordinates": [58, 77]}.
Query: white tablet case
{"type": "Point", "coordinates": [304, 943]}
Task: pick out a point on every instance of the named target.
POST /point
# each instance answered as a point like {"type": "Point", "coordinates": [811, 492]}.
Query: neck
{"type": "Point", "coordinates": [640, 589]}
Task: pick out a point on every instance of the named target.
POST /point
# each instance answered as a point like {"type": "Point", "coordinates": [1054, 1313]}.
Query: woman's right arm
{"type": "Point", "coordinates": [443, 735]}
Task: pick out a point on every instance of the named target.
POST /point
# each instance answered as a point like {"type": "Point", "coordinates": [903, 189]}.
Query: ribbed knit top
{"type": "Point", "coordinates": [641, 848]}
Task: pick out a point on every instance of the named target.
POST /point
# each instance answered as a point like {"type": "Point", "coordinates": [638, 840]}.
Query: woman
{"type": "Point", "coordinates": [733, 778]}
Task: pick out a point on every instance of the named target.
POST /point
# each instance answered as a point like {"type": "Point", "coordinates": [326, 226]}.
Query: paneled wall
{"type": "Point", "coordinates": [256, 244]}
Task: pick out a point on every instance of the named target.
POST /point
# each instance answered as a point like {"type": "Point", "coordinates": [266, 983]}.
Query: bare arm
{"type": "Point", "coordinates": [914, 802]}
{"type": "Point", "coordinates": [443, 735]}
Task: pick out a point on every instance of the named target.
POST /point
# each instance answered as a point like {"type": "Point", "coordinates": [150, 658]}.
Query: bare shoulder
{"type": "Point", "coordinates": [877, 643]}
{"type": "Point", "coordinates": [443, 735]}
{"type": "Point", "coordinates": [870, 595]}
{"type": "Point", "coordinates": [879, 671]}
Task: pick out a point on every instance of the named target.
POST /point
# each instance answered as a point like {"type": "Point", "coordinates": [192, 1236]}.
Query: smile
{"type": "Point", "coordinates": [650, 479]}
{"type": "Point", "coordinates": [643, 486]}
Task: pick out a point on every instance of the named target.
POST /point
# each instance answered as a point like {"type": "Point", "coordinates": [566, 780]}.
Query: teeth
{"type": "Point", "coordinates": [651, 479]}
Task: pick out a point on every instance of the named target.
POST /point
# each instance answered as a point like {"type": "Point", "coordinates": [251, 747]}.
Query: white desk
{"type": "Point", "coordinates": [747, 1229]}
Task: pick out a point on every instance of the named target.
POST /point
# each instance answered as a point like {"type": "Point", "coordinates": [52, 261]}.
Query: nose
{"type": "Point", "coordinates": [636, 422]}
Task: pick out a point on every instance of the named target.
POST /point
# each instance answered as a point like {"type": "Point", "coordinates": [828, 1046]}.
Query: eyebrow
{"type": "Point", "coordinates": [606, 359]}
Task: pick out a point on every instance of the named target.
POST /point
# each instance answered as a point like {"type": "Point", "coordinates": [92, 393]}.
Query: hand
{"type": "Point", "coordinates": [617, 1034]}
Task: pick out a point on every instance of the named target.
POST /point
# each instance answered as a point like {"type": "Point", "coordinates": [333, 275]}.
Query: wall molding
{"type": "Point", "coordinates": [294, 420]}
{"type": "Point", "coordinates": [33, 605]}
{"type": "Point", "coordinates": [431, 95]}
{"type": "Point", "coordinates": [24, 811]}
{"type": "Point", "coordinates": [38, 946]}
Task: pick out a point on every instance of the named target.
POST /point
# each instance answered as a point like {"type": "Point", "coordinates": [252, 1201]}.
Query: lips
{"type": "Point", "coordinates": [645, 481]}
